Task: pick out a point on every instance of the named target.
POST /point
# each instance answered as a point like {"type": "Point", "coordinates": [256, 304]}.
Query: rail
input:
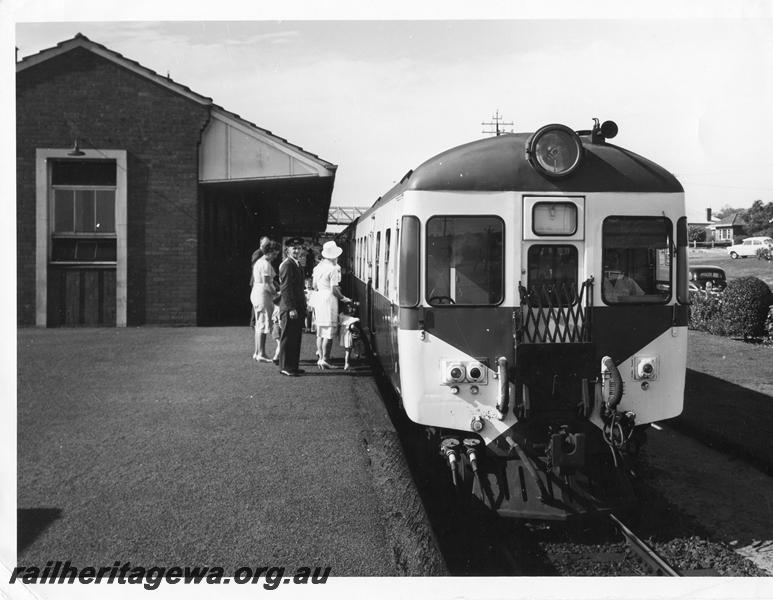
{"type": "Point", "coordinates": [655, 564]}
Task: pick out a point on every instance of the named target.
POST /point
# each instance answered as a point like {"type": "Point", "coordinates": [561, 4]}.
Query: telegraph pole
{"type": "Point", "coordinates": [496, 124]}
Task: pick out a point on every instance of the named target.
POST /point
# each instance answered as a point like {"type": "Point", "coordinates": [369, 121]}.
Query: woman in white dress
{"type": "Point", "coordinates": [326, 279]}
{"type": "Point", "coordinates": [262, 297]}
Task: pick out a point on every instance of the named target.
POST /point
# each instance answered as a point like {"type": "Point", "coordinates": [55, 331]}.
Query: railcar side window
{"type": "Point", "coordinates": [378, 252]}
{"type": "Point", "coordinates": [465, 260]}
{"type": "Point", "coordinates": [552, 275]}
{"type": "Point", "coordinates": [387, 266]}
{"type": "Point", "coordinates": [637, 260]}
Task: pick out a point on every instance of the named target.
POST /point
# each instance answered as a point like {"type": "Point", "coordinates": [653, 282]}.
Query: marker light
{"type": "Point", "coordinates": [554, 150]}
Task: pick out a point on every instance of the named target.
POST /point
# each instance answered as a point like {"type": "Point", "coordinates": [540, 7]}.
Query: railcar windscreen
{"type": "Point", "coordinates": [637, 260]}
{"type": "Point", "coordinates": [552, 275]}
{"type": "Point", "coordinates": [465, 260]}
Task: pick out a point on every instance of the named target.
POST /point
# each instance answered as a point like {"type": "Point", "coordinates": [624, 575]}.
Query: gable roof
{"type": "Point", "coordinates": [729, 220]}
{"type": "Point", "coordinates": [81, 41]}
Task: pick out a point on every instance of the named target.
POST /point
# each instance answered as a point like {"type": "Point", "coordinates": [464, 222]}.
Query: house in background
{"type": "Point", "coordinates": [139, 201]}
{"type": "Point", "coordinates": [725, 230]}
{"type": "Point", "coordinates": [698, 220]}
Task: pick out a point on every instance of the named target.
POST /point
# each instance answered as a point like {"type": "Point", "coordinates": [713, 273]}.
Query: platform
{"type": "Point", "coordinates": [171, 446]}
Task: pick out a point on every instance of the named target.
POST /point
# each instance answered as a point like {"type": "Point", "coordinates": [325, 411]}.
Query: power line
{"type": "Point", "coordinates": [496, 123]}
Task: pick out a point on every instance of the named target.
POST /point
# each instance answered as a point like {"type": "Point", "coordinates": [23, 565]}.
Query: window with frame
{"type": "Point", "coordinates": [554, 218]}
{"type": "Point", "coordinates": [465, 258]}
{"type": "Point", "coordinates": [552, 275]}
{"type": "Point", "coordinates": [387, 253]}
{"type": "Point", "coordinates": [83, 211]}
{"type": "Point", "coordinates": [637, 255]}
{"type": "Point", "coordinates": [378, 251]}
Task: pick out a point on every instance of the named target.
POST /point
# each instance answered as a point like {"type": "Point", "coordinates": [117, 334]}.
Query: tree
{"type": "Point", "coordinates": [726, 211]}
{"type": "Point", "coordinates": [696, 233]}
{"type": "Point", "coordinates": [758, 218]}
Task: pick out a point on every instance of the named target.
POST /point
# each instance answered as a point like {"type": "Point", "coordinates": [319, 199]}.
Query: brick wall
{"type": "Point", "coordinates": [79, 94]}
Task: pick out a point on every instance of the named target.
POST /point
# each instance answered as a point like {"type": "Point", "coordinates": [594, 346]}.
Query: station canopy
{"type": "Point", "coordinates": [282, 183]}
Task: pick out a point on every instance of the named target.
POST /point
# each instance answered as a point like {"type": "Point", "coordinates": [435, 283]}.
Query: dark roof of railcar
{"type": "Point", "coordinates": [500, 164]}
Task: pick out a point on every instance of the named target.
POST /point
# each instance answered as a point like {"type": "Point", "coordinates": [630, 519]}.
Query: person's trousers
{"type": "Point", "coordinates": [290, 341]}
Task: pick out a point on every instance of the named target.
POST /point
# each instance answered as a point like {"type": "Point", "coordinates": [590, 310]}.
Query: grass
{"type": "Point", "coordinates": [740, 267]}
{"type": "Point", "coordinates": [729, 395]}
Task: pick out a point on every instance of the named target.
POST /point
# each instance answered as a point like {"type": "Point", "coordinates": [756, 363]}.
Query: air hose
{"type": "Point", "coordinates": [615, 382]}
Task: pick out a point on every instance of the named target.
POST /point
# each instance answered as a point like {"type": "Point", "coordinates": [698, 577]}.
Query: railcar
{"type": "Point", "coordinates": [526, 295]}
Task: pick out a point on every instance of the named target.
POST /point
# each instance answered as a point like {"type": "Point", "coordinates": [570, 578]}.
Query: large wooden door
{"type": "Point", "coordinates": [79, 296]}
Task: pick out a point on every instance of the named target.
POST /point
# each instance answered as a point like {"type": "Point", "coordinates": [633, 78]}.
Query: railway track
{"type": "Point", "coordinates": [654, 564]}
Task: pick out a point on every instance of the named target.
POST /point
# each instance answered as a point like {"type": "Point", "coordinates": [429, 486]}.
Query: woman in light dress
{"type": "Point", "coordinates": [326, 279]}
{"type": "Point", "coordinates": [262, 297]}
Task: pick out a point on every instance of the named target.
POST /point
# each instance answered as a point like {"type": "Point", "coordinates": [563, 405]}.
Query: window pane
{"type": "Point", "coordinates": [378, 250]}
{"type": "Point", "coordinates": [105, 220]}
{"type": "Point", "coordinates": [464, 260]}
{"type": "Point", "coordinates": [84, 210]}
{"type": "Point", "coordinates": [552, 275]}
{"type": "Point", "coordinates": [63, 214]}
{"type": "Point", "coordinates": [63, 249]}
{"type": "Point", "coordinates": [83, 172]}
{"type": "Point", "coordinates": [387, 241]}
{"type": "Point", "coordinates": [637, 260]}
{"type": "Point", "coordinates": [105, 250]}
{"type": "Point", "coordinates": [85, 249]}
{"type": "Point", "coordinates": [554, 218]}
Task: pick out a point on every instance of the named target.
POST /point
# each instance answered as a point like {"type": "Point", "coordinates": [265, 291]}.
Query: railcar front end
{"type": "Point", "coordinates": [527, 295]}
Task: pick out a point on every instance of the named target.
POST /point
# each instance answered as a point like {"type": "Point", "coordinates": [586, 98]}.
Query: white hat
{"type": "Point", "coordinates": [331, 250]}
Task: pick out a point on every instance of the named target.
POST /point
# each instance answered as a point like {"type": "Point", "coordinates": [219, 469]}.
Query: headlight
{"type": "Point", "coordinates": [453, 372]}
{"type": "Point", "coordinates": [554, 150]}
{"type": "Point", "coordinates": [645, 367]}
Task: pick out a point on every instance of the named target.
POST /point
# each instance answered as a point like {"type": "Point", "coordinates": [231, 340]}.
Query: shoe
{"type": "Point", "coordinates": [289, 373]}
{"type": "Point", "coordinates": [255, 356]}
{"type": "Point", "coordinates": [321, 365]}
{"type": "Point", "coordinates": [324, 364]}
{"type": "Point", "coordinates": [261, 358]}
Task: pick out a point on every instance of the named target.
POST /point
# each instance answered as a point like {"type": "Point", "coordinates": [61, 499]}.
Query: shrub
{"type": "Point", "coordinates": [745, 307]}
{"type": "Point", "coordinates": [765, 253]}
{"type": "Point", "coordinates": [696, 233]}
{"type": "Point", "coordinates": [768, 339]}
{"type": "Point", "coordinates": [706, 313]}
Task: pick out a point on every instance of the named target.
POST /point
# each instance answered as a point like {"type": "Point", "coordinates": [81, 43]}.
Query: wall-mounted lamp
{"type": "Point", "coordinates": [76, 150]}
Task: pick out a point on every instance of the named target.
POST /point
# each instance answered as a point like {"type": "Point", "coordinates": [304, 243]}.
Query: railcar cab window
{"type": "Point", "coordinates": [464, 260]}
{"type": "Point", "coordinates": [554, 218]}
{"type": "Point", "coordinates": [552, 275]}
{"type": "Point", "coordinates": [637, 260]}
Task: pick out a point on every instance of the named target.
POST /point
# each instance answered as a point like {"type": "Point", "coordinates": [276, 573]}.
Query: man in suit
{"type": "Point", "coordinates": [292, 308]}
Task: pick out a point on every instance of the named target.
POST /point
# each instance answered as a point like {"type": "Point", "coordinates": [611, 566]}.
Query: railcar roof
{"type": "Point", "coordinates": [500, 164]}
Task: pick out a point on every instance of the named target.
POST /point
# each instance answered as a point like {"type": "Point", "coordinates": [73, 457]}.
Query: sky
{"type": "Point", "coordinates": [377, 96]}
{"type": "Point", "coordinates": [378, 88]}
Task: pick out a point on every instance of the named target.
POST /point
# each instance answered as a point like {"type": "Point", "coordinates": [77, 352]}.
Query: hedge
{"type": "Point", "coordinates": [742, 310]}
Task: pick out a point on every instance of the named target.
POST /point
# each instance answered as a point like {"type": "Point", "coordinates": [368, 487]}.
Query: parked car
{"type": "Point", "coordinates": [706, 278]}
{"type": "Point", "coordinates": [749, 247]}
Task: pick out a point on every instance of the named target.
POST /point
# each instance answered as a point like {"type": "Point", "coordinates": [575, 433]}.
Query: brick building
{"type": "Point", "coordinates": [140, 201]}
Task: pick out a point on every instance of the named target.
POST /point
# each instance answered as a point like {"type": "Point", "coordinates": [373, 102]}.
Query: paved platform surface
{"type": "Point", "coordinates": [171, 446]}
